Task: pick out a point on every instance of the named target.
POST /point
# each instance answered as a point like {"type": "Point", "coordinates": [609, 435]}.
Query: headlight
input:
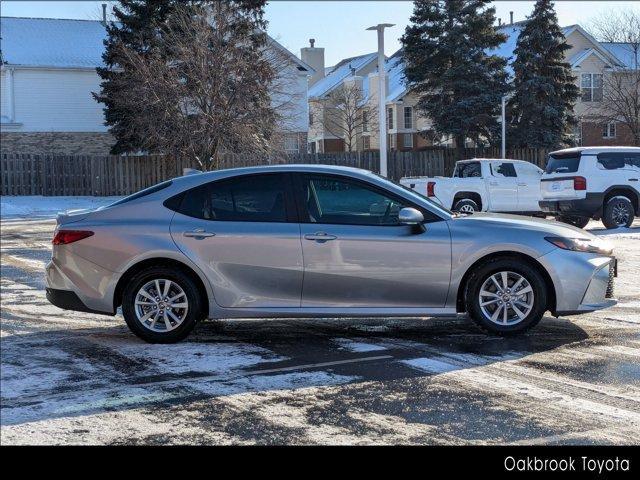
{"type": "Point", "coordinates": [580, 245]}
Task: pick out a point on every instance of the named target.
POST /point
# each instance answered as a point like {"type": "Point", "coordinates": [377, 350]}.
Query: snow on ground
{"type": "Point", "coordinates": [37, 205]}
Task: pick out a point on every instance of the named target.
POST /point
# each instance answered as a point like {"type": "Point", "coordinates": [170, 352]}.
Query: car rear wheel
{"type": "Point", "coordinates": [574, 220]}
{"type": "Point", "coordinates": [466, 205]}
{"type": "Point", "coordinates": [618, 212]}
{"type": "Point", "coordinates": [505, 296]}
{"type": "Point", "coordinates": [161, 305]}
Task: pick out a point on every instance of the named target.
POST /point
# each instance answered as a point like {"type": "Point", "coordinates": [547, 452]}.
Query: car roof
{"type": "Point", "coordinates": [594, 150]}
{"type": "Point", "coordinates": [492, 160]}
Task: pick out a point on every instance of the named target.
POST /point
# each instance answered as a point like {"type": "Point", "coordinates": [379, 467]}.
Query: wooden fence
{"type": "Point", "coordinates": [26, 174]}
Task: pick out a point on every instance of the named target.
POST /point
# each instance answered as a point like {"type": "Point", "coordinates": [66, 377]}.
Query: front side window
{"type": "Point", "coordinates": [408, 117]}
{"type": "Point", "coordinates": [468, 169]}
{"type": "Point", "coordinates": [333, 200]}
{"type": "Point", "coordinates": [256, 198]}
{"type": "Point", "coordinates": [609, 130]}
{"type": "Point", "coordinates": [591, 87]}
{"type": "Point", "coordinates": [504, 169]}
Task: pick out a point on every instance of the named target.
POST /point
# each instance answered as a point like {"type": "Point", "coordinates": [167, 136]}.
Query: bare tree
{"type": "Point", "coordinates": [346, 114]}
{"type": "Point", "coordinates": [206, 87]}
{"type": "Point", "coordinates": [621, 86]}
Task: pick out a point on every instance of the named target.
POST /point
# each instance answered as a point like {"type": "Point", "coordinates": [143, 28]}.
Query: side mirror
{"type": "Point", "coordinates": [410, 216]}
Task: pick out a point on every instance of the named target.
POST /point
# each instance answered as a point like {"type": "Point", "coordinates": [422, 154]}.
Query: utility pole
{"type": "Point", "coordinates": [382, 95]}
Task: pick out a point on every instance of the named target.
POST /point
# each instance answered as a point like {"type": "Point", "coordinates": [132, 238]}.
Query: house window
{"type": "Point", "coordinates": [591, 87]}
{"type": "Point", "coordinates": [609, 130]}
{"type": "Point", "coordinates": [292, 143]}
{"type": "Point", "coordinates": [310, 118]}
{"type": "Point", "coordinates": [365, 120]}
{"type": "Point", "coordinates": [366, 142]}
{"type": "Point", "coordinates": [577, 134]}
{"type": "Point", "coordinates": [390, 115]}
{"type": "Point", "coordinates": [408, 117]}
{"type": "Point", "coordinates": [407, 140]}
{"type": "Point", "coordinates": [392, 141]}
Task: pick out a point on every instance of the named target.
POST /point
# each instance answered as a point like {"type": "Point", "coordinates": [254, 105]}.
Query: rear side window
{"type": "Point", "coordinates": [468, 169]}
{"type": "Point", "coordinates": [143, 193]}
{"type": "Point", "coordinates": [504, 170]}
{"type": "Point", "coordinates": [615, 160]}
{"type": "Point", "coordinates": [563, 164]}
{"type": "Point", "coordinates": [257, 198]}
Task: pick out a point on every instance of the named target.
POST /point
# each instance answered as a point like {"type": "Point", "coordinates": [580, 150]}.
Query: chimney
{"type": "Point", "coordinates": [511, 16]}
{"type": "Point", "coordinates": [104, 14]}
{"type": "Point", "coordinates": [314, 57]}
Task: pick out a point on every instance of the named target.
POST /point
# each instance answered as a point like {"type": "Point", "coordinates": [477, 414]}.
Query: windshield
{"type": "Point", "coordinates": [563, 164]}
{"type": "Point", "coordinates": [413, 193]}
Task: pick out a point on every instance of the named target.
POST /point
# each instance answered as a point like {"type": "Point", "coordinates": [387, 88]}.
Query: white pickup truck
{"type": "Point", "coordinates": [484, 184]}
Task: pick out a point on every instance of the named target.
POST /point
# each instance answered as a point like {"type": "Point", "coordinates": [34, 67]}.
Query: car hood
{"type": "Point", "coordinates": [500, 221]}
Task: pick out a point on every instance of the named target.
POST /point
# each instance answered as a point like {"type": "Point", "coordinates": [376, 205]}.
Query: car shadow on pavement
{"type": "Point", "coordinates": [76, 372]}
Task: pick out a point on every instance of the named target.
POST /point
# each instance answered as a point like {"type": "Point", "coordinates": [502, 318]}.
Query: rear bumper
{"type": "Point", "coordinates": [590, 206]}
{"type": "Point", "coordinates": [68, 300]}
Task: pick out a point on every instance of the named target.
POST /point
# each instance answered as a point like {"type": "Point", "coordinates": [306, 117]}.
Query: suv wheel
{"type": "Point", "coordinates": [576, 221]}
{"type": "Point", "coordinates": [618, 212]}
{"type": "Point", "coordinates": [505, 296]}
{"type": "Point", "coordinates": [466, 205]}
{"type": "Point", "coordinates": [161, 305]}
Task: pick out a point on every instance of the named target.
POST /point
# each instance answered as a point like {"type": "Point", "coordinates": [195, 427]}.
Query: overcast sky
{"type": "Point", "coordinates": [338, 26]}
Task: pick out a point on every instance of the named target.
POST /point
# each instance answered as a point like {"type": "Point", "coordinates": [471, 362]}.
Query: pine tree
{"type": "Point", "coordinates": [460, 84]}
{"type": "Point", "coordinates": [135, 28]}
{"type": "Point", "coordinates": [541, 110]}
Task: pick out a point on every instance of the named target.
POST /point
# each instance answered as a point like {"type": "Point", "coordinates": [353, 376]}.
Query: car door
{"type": "Point", "coordinates": [502, 187]}
{"type": "Point", "coordinates": [243, 233]}
{"type": "Point", "coordinates": [528, 179]}
{"type": "Point", "coordinates": [357, 254]}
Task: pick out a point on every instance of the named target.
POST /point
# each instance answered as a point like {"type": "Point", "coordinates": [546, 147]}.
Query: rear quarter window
{"type": "Point", "coordinates": [563, 164]}
{"type": "Point", "coordinates": [143, 193]}
{"type": "Point", "coordinates": [616, 160]}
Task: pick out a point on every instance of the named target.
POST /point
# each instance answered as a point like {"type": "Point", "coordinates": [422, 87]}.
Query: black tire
{"type": "Point", "coordinates": [618, 212]}
{"type": "Point", "coordinates": [574, 220]}
{"type": "Point", "coordinates": [195, 311]}
{"type": "Point", "coordinates": [466, 204]}
{"type": "Point", "coordinates": [483, 272]}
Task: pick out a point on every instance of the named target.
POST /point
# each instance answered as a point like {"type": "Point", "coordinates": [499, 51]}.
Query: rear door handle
{"type": "Point", "coordinates": [633, 179]}
{"type": "Point", "coordinates": [199, 233]}
{"type": "Point", "coordinates": [319, 236]}
{"type": "Point", "coordinates": [493, 183]}
{"type": "Point", "coordinates": [522, 184]}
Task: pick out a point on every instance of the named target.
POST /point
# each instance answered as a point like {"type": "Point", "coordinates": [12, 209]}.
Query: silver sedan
{"type": "Point", "coordinates": [316, 241]}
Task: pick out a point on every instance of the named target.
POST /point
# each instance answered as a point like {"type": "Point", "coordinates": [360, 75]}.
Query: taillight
{"type": "Point", "coordinates": [430, 187]}
{"type": "Point", "coordinates": [64, 237]}
{"type": "Point", "coordinates": [579, 183]}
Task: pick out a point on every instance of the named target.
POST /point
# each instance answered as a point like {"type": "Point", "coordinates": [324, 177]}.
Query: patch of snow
{"type": "Point", "coordinates": [37, 205]}
{"type": "Point", "coordinates": [430, 365]}
{"type": "Point", "coordinates": [353, 346]}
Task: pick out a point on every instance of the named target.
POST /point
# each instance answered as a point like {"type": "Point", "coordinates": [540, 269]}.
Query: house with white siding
{"type": "Point", "coordinates": [48, 74]}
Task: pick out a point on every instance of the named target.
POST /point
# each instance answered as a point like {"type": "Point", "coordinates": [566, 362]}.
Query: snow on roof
{"type": "Point", "coordinates": [52, 42]}
{"type": "Point", "coordinates": [623, 52]}
{"type": "Point", "coordinates": [341, 71]}
{"type": "Point", "coordinates": [65, 43]}
{"type": "Point", "coordinates": [394, 68]}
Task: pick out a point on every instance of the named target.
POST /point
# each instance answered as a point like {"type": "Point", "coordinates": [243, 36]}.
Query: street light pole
{"type": "Point", "coordinates": [382, 95]}
{"type": "Point", "coordinates": [504, 127]}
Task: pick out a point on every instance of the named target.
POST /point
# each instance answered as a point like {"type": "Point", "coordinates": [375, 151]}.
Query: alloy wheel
{"type": "Point", "coordinates": [620, 213]}
{"type": "Point", "coordinates": [506, 298]}
{"type": "Point", "coordinates": [161, 305]}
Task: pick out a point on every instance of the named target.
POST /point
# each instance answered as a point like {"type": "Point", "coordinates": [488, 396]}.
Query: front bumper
{"type": "Point", "coordinates": [590, 206]}
{"type": "Point", "coordinates": [583, 282]}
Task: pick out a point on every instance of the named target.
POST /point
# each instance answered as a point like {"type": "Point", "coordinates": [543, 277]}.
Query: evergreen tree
{"type": "Point", "coordinates": [460, 84]}
{"type": "Point", "coordinates": [135, 28]}
{"type": "Point", "coordinates": [541, 110]}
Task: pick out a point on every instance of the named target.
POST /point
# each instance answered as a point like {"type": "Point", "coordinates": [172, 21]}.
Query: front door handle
{"type": "Point", "coordinates": [493, 183]}
{"type": "Point", "coordinates": [199, 233]}
{"type": "Point", "coordinates": [319, 236]}
{"type": "Point", "coordinates": [633, 179]}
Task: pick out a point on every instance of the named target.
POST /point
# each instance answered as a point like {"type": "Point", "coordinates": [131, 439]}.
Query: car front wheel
{"type": "Point", "coordinates": [505, 296]}
{"type": "Point", "coordinates": [161, 305]}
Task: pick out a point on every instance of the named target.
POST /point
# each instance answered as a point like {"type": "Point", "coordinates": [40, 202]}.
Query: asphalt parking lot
{"type": "Point", "coordinates": [75, 378]}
